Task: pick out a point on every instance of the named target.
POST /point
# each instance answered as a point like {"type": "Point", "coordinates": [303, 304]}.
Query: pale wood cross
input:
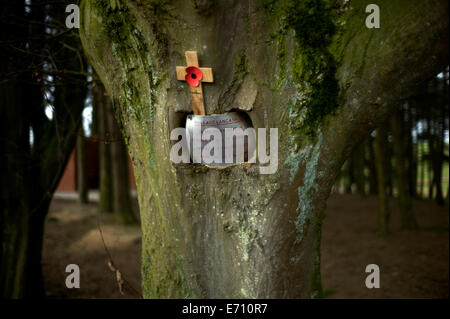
{"type": "Point", "coordinates": [196, 91]}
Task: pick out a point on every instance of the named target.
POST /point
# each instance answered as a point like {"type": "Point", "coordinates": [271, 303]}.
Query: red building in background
{"type": "Point", "coordinates": [68, 182]}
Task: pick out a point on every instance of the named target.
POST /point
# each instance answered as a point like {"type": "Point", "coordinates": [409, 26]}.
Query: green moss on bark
{"type": "Point", "coordinates": [314, 67]}
{"type": "Point", "coordinates": [140, 80]}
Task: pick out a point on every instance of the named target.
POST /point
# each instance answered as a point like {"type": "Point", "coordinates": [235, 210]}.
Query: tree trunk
{"type": "Point", "coordinates": [15, 147]}
{"type": "Point", "coordinates": [359, 159]}
{"type": "Point", "coordinates": [422, 163]}
{"type": "Point", "coordinates": [32, 170]}
{"type": "Point", "coordinates": [411, 153]}
{"type": "Point", "coordinates": [430, 143]}
{"type": "Point", "coordinates": [437, 168]}
{"type": "Point", "coordinates": [349, 175]}
{"type": "Point", "coordinates": [381, 163]}
{"type": "Point", "coordinates": [435, 134]}
{"type": "Point", "coordinates": [389, 163]}
{"type": "Point", "coordinates": [121, 186]}
{"type": "Point", "coordinates": [105, 203]}
{"type": "Point", "coordinates": [234, 232]}
{"type": "Point", "coordinates": [438, 159]}
{"type": "Point", "coordinates": [82, 174]}
{"type": "Point", "coordinates": [401, 170]}
{"type": "Point", "coordinates": [23, 207]}
{"type": "Point", "coordinates": [446, 124]}
{"type": "Point", "coordinates": [373, 181]}
{"type": "Point", "coordinates": [24, 234]}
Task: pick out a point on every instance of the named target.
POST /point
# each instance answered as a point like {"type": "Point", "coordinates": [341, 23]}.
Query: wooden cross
{"type": "Point", "coordinates": [196, 91]}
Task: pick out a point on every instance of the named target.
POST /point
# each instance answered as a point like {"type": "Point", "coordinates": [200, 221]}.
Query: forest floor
{"type": "Point", "coordinates": [413, 264]}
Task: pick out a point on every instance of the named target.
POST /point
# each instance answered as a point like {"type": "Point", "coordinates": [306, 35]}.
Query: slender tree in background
{"type": "Point", "coordinates": [446, 125]}
{"type": "Point", "coordinates": [423, 122]}
{"type": "Point", "coordinates": [373, 181]}
{"type": "Point", "coordinates": [114, 177]}
{"type": "Point", "coordinates": [421, 147]}
{"type": "Point", "coordinates": [382, 162]}
{"type": "Point", "coordinates": [441, 108]}
{"type": "Point", "coordinates": [432, 112]}
{"type": "Point", "coordinates": [411, 151]}
{"type": "Point", "coordinates": [32, 169]}
{"type": "Point", "coordinates": [105, 175]}
{"type": "Point", "coordinates": [349, 176]}
{"type": "Point", "coordinates": [82, 174]}
{"type": "Point", "coordinates": [430, 145]}
{"type": "Point", "coordinates": [401, 169]}
{"type": "Point", "coordinates": [120, 179]}
{"type": "Point", "coordinates": [291, 65]}
{"type": "Point", "coordinates": [358, 157]}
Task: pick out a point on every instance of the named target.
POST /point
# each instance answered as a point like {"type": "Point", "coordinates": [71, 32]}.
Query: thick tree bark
{"type": "Point", "coordinates": [401, 169]}
{"type": "Point", "coordinates": [232, 232]}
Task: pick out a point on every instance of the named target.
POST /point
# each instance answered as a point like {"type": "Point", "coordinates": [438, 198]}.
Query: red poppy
{"type": "Point", "coordinates": [193, 75]}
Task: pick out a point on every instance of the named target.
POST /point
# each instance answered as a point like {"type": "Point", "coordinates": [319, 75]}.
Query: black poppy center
{"type": "Point", "coordinates": [193, 76]}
